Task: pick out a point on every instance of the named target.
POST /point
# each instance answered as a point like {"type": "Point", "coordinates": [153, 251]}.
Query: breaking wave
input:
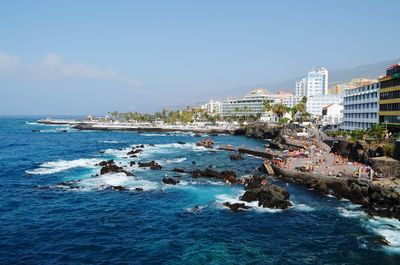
{"type": "Point", "coordinates": [61, 165]}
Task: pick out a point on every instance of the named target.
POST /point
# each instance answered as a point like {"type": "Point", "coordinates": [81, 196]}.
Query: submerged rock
{"type": "Point", "coordinates": [180, 142]}
{"type": "Point", "coordinates": [152, 165]}
{"type": "Point", "coordinates": [236, 157]}
{"type": "Point", "coordinates": [118, 188]}
{"type": "Point", "coordinates": [207, 143]}
{"type": "Point", "coordinates": [138, 189]}
{"type": "Point", "coordinates": [170, 181]}
{"type": "Point", "coordinates": [179, 170]}
{"type": "Point", "coordinates": [236, 206]}
{"type": "Point", "coordinates": [134, 151]}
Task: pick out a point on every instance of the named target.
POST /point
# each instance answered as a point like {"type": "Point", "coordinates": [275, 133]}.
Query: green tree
{"type": "Point", "coordinates": [279, 109]}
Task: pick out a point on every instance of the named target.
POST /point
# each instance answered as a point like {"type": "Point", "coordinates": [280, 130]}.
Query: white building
{"type": "Point", "coordinates": [316, 103]}
{"type": "Point", "coordinates": [314, 84]}
{"type": "Point", "coordinates": [253, 103]}
{"type": "Point", "coordinates": [301, 87]}
{"type": "Point", "coordinates": [212, 107]}
{"type": "Point", "coordinates": [332, 114]}
{"type": "Point", "coordinates": [361, 107]}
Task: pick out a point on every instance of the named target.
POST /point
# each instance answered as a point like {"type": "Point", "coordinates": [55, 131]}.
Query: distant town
{"type": "Point", "coordinates": [358, 105]}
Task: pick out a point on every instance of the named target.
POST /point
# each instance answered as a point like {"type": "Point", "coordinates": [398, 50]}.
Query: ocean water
{"type": "Point", "coordinates": [43, 221]}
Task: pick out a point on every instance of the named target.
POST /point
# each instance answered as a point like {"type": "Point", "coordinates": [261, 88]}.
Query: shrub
{"type": "Point", "coordinates": [388, 148]}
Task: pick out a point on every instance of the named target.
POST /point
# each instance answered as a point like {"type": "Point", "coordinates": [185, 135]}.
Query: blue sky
{"type": "Point", "coordinates": [90, 57]}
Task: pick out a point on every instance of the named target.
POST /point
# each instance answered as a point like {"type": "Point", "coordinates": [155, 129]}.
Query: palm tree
{"type": "Point", "coordinates": [266, 106]}
{"type": "Point", "coordinates": [114, 115]}
{"type": "Point", "coordinates": [279, 109]}
{"type": "Point", "coordinates": [377, 131]}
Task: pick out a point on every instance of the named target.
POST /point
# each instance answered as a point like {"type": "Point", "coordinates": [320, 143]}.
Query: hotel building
{"type": "Point", "coordinates": [253, 103]}
{"type": "Point", "coordinates": [361, 107]}
{"type": "Point", "coordinates": [389, 104]}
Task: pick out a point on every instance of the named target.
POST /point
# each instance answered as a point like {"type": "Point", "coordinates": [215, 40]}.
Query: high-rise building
{"type": "Point", "coordinates": [317, 82]}
{"type": "Point", "coordinates": [314, 84]}
{"type": "Point", "coordinates": [389, 103]}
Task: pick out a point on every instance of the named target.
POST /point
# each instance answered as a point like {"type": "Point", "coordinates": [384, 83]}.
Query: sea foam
{"type": "Point", "coordinates": [61, 165]}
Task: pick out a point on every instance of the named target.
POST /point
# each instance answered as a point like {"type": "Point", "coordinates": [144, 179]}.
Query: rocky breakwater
{"type": "Point", "coordinates": [377, 197]}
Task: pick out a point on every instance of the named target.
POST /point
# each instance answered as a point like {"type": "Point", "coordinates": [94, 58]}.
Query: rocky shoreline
{"type": "Point", "coordinates": [376, 197]}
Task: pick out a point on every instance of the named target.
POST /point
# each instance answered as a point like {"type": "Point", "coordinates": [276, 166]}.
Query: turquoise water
{"type": "Point", "coordinates": [45, 222]}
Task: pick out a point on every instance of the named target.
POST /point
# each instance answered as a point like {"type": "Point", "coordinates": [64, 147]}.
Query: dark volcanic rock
{"type": "Point", "coordinates": [132, 163]}
{"type": "Point", "coordinates": [261, 130]}
{"type": "Point", "coordinates": [180, 142]}
{"type": "Point", "coordinates": [138, 189]}
{"type": "Point", "coordinates": [226, 175]}
{"type": "Point", "coordinates": [236, 157]}
{"type": "Point", "coordinates": [152, 165]}
{"type": "Point", "coordinates": [270, 196]}
{"type": "Point", "coordinates": [255, 182]}
{"type": "Point", "coordinates": [118, 188]}
{"type": "Point", "coordinates": [110, 167]}
{"type": "Point", "coordinates": [179, 170]}
{"type": "Point", "coordinates": [170, 181]}
{"type": "Point", "coordinates": [236, 206]}
{"type": "Point", "coordinates": [134, 151]}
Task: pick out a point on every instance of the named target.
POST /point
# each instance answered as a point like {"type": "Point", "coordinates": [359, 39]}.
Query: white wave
{"type": "Point", "coordinates": [387, 228]}
{"type": "Point", "coordinates": [301, 207]}
{"type": "Point", "coordinates": [155, 134]}
{"type": "Point", "coordinates": [110, 142]}
{"type": "Point", "coordinates": [114, 179]}
{"type": "Point", "coordinates": [222, 198]}
{"type": "Point", "coordinates": [61, 165]}
{"type": "Point", "coordinates": [175, 160]}
{"type": "Point", "coordinates": [31, 123]}
{"type": "Point", "coordinates": [120, 153]}
{"type": "Point", "coordinates": [195, 209]}
{"type": "Point", "coordinates": [351, 213]}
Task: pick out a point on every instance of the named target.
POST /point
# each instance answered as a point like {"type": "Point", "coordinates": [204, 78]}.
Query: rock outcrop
{"type": "Point", "coordinates": [110, 167]}
{"type": "Point", "coordinates": [226, 175]}
{"type": "Point", "coordinates": [261, 130]}
{"type": "Point", "coordinates": [236, 156]}
{"type": "Point", "coordinates": [171, 181]}
{"type": "Point", "coordinates": [178, 170]}
{"type": "Point", "coordinates": [152, 165]}
{"type": "Point", "coordinates": [134, 151]}
{"type": "Point", "coordinates": [236, 206]}
{"type": "Point", "coordinates": [268, 195]}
